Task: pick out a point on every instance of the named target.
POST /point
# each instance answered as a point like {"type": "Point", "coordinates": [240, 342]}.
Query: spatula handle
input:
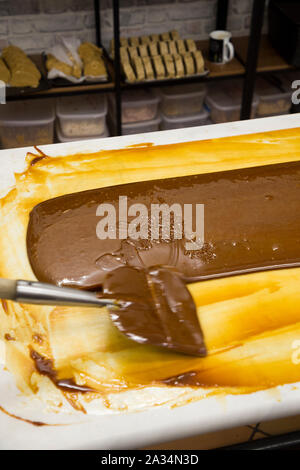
{"type": "Point", "coordinates": [8, 289]}
{"type": "Point", "coordinates": [32, 292]}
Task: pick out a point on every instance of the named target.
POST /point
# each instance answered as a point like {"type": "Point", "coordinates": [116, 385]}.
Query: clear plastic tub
{"type": "Point", "coordinates": [136, 127]}
{"type": "Point", "coordinates": [83, 115]}
{"type": "Point", "coordinates": [141, 127]}
{"type": "Point", "coordinates": [26, 123]}
{"type": "Point", "coordinates": [62, 138]}
{"type": "Point", "coordinates": [180, 100]}
{"type": "Point", "coordinates": [224, 100]}
{"type": "Point", "coordinates": [200, 119]}
{"type": "Point", "coordinates": [137, 105]}
{"type": "Point", "coordinates": [272, 101]}
{"type": "Point", "coordinates": [284, 80]}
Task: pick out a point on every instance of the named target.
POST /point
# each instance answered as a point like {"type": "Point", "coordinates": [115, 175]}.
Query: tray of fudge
{"type": "Point", "coordinates": [72, 62]}
{"type": "Point", "coordinates": [156, 57]}
{"type": "Point", "coordinates": [22, 74]}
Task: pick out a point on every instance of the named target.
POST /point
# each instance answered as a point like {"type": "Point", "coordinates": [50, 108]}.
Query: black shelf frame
{"type": "Point", "coordinates": [257, 19]}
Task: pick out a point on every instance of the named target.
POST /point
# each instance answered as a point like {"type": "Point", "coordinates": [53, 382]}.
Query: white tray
{"type": "Point", "coordinates": [159, 424]}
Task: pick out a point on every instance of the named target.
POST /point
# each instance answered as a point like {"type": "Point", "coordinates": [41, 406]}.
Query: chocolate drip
{"type": "Point", "coordinates": [4, 306]}
{"type": "Point", "coordinates": [190, 379]}
{"type": "Point", "coordinates": [8, 337]}
{"type": "Point", "coordinates": [45, 367]}
{"type": "Point", "coordinates": [29, 421]}
{"type": "Point", "coordinates": [36, 160]}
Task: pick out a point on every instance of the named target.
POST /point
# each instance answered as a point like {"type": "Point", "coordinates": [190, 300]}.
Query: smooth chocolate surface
{"type": "Point", "coordinates": [156, 308]}
{"type": "Point", "coordinates": [252, 223]}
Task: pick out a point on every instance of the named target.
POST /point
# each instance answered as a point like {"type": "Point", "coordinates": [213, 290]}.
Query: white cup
{"type": "Point", "coordinates": [221, 50]}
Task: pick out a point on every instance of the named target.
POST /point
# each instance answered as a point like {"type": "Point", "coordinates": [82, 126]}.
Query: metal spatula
{"type": "Point", "coordinates": [31, 292]}
{"type": "Point", "coordinates": [155, 306]}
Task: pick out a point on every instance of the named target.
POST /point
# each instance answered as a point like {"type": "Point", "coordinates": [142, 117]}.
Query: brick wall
{"type": "Point", "coordinates": [33, 24]}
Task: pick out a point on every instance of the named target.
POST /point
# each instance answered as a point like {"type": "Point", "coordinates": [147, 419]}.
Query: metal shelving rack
{"type": "Point", "coordinates": [221, 22]}
{"type": "Point", "coordinates": [248, 69]}
{"type": "Point", "coordinates": [252, 56]}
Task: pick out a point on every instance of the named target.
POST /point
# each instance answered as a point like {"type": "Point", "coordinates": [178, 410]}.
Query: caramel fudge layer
{"type": "Point", "coordinates": [251, 220]}
{"type": "Point", "coordinates": [250, 323]}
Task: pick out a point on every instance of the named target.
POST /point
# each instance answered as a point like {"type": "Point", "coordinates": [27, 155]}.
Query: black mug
{"type": "Point", "coordinates": [221, 50]}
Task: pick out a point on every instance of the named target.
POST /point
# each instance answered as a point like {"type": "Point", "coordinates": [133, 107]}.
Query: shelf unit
{"type": "Point", "coordinates": [268, 58]}
{"type": "Point", "coordinates": [254, 54]}
{"type": "Point", "coordinates": [244, 64]}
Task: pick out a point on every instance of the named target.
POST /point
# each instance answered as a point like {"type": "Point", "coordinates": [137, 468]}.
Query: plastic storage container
{"type": "Point", "coordinates": [137, 105]}
{"type": "Point", "coordinates": [179, 100]}
{"type": "Point", "coordinates": [136, 127]}
{"type": "Point", "coordinates": [285, 79]}
{"type": "Point", "coordinates": [224, 101]}
{"type": "Point", "coordinates": [26, 123]}
{"type": "Point", "coordinates": [141, 127]}
{"type": "Point", "coordinates": [62, 138]}
{"type": "Point", "coordinates": [272, 100]}
{"type": "Point", "coordinates": [177, 122]}
{"type": "Point", "coordinates": [82, 116]}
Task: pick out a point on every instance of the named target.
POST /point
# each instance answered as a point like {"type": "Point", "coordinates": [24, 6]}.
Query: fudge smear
{"type": "Point", "coordinates": [252, 223]}
{"type": "Point", "coordinates": [156, 308]}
